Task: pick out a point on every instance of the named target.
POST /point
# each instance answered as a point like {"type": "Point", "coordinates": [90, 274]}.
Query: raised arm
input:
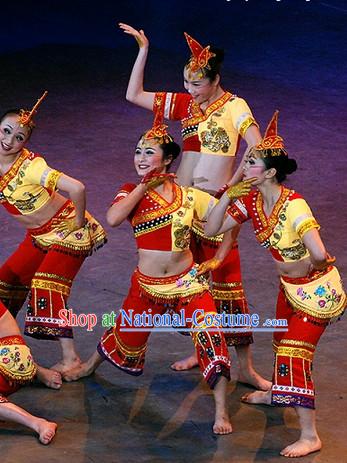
{"type": "Point", "coordinates": [135, 92]}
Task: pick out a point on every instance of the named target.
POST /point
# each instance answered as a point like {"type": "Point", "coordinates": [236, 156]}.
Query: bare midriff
{"type": "Point", "coordinates": [297, 269]}
{"type": "Point", "coordinates": [163, 263]}
{"type": "Point", "coordinates": [44, 214]}
{"type": "Point", "coordinates": [204, 171]}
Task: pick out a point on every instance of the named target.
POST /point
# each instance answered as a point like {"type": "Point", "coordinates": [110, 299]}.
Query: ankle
{"type": "Point", "coordinates": [310, 435]}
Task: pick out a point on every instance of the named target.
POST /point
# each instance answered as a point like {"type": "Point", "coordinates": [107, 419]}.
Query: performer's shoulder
{"type": "Point", "coordinates": [236, 100]}
{"type": "Point", "coordinates": [127, 187]}
{"type": "Point", "coordinates": [292, 194]}
{"type": "Point", "coordinates": [30, 155]}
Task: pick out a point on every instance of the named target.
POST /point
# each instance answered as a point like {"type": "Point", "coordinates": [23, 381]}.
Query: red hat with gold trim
{"type": "Point", "coordinates": [272, 141]}
{"type": "Point", "coordinates": [200, 55]}
{"type": "Point", "coordinates": [158, 130]}
{"type": "Point", "coordinates": [26, 116]}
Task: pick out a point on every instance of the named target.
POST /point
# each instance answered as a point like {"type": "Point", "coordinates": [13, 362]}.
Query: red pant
{"type": "Point", "coordinates": [48, 276]}
{"type": "Point", "coordinates": [126, 349]}
{"type": "Point", "coordinates": [227, 289]}
{"type": "Point", "coordinates": [294, 351]}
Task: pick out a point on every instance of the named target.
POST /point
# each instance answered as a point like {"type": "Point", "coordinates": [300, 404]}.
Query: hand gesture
{"type": "Point", "coordinates": [139, 36]}
{"type": "Point", "coordinates": [154, 178]}
{"type": "Point", "coordinates": [65, 227]}
{"type": "Point", "coordinates": [209, 265]}
{"type": "Point", "coordinates": [241, 188]}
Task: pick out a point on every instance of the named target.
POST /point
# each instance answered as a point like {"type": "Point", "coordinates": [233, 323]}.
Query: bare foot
{"type": "Point", "coordinates": [222, 425]}
{"type": "Point", "coordinates": [186, 363]}
{"type": "Point", "coordinates": [66, 365]}
{"type": "Point", "coordinates": [252, 378]}
{"type": "Point", "coordinates": [50, 378]}
{"type": "Point", "coordinates": [257, 397]}
{"type": "Point", "coordinates": [46, 430]}
{"type": "Point", "coordinates": [302, 447]}
{"type": "Point", "coordinates": [82, 370]}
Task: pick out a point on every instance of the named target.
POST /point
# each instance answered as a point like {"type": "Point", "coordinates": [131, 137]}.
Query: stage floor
{"type": "Point", "coordinates": [87, 129]}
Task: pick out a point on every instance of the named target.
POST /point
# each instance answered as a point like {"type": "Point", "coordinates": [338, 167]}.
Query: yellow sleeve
{"type": "Point", "coordinates": [301, 217]}
{"type": "Point", "coordinates": [241, 116]}
{"type": "Point", "coordinates": [203, 205]}
{"type": "Point", "coordinates": [38, 173]}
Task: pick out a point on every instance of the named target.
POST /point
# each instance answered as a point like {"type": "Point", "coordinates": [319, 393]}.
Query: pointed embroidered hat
{"type": "Point", "coordinates": [26, 116]}
{"type": "Point", "coordinates": [158, 130]}
{"type": "Point", "coordinates": [200, 55]}
{"type": "Point", "coordinates": [271, 138]}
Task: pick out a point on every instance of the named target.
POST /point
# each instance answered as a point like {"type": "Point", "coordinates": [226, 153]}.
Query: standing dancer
{"type": "Point", "coordinates": [311, 293]}
{"type": "Point", "coordinates": [60, 234]}
{"type": "Point", "coordinates": [161, 214]}
{"type": "Point", "coordinates": [213, 122]}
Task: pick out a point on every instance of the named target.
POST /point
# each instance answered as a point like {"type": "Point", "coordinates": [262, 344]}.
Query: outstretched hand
{"type": "Point", "coordinates": [240, 189]}
{"type": "Point", "coordinates": [154, 178]}
{"type": "Point", "coordinates": [139, 36]}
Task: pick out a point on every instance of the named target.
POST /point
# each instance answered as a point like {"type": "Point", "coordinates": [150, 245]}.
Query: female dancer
{"type": "Point", "coordinates": [60, 234]}
{"type": "Point", "coordinates": [18, 368]}
{"type": "Point", "coordinates": [161, 214]}
{"type": "Point", "coordinates": [310, 295]}
{"type": "Point", "coordinates": [213, 121]}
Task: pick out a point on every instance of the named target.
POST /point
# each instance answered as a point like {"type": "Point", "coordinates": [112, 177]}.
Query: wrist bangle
{"type": "Point", "coordinates": [230, 195]}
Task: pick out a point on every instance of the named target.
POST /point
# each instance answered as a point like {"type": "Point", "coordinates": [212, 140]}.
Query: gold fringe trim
{"type": "Point", "coordinates": [306, 226]}
{"type": "Point", "coordinates": [198, 116]}
{"type": "Point", "coordinates": [210, 239]}
{"type": "Point", "coordinates": [182, 293]}
{"type": "Point", "coordinates": [53, 276]}
{"type": "Point", "coordinates": [227, 295]}
{"type": "Point", "coordinates": [295, 352]}
{"type": "Point", "coordinates": [128, 351]}
{"type": "Point", "coordinates": [14, 169]}
{"type": "Point", "coordinates": [52, 179]}
{"type": "Point", "coordinates": [319, 314]}
{"type": "Point", "coordinates": [232, 284]}
{"type": "Point", "coordinates": [19, 378]}
{"type": "Point", "coordinates": [293, 342]}
{"type": "Point", "coordinates": [20, 367]}
{"type": "Point", "coordinates": [51, 286]}
{"type": "Point", "coordinates": [270, 222]}
{"type": "Point", "coordinates": [165, 209]}
{"type": "Point", "coordinates": [245, 125]}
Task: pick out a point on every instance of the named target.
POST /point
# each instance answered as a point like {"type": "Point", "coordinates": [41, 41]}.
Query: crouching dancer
{"type": "Point", "coordinates": [17, 368]}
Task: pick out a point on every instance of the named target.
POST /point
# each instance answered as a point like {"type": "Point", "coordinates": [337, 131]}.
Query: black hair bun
{"type": "Point", "coordinates": [291, 166]}
{"type": "Point", "coordinates": [219, 58]}
{"type": "Point", "coordinates": [174, 149]}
